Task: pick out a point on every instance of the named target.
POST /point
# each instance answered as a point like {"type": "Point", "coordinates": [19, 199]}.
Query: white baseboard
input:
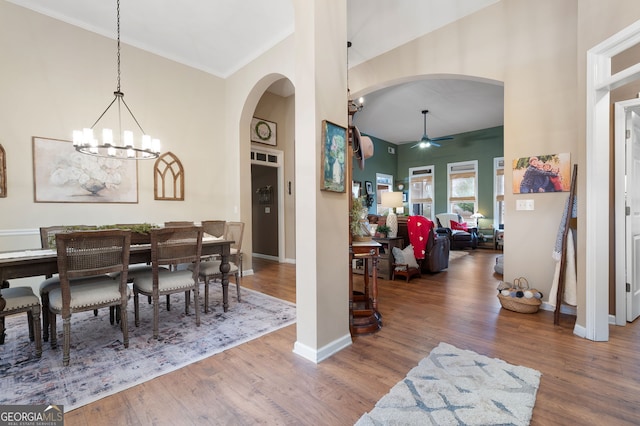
{"type": "Point", "coordinates": [323, 353]}
{"type": "Point", "coordinates": [274, 258]}
{"type": "Point", "coordinates": [564, 309]}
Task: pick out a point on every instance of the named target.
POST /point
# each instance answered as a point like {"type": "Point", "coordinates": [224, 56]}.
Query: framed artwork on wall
{"type": "Point", "coordinates": [542, 173]}
{"type": "Point", "coordinates": [368, 187]}
{"type": "Point", "coordinates": [3, 173]}
{"type": "Point", "coordinates": [334, 139]}
{"type": "Point", "coordinates": [263, 131]}
{"type": "Point", "coordinates": [63, 175]}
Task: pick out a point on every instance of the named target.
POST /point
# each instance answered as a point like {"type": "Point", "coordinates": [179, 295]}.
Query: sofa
{"type": "Point", "coordinates": [436, 252]}
{"type": "Point", "coordinates": [458, 238]}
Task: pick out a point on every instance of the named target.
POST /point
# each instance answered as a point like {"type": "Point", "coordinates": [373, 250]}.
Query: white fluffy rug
{"type": "Point", "coordinates": [459, 387]}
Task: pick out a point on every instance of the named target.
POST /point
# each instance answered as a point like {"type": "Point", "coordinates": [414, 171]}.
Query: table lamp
{"type": "Point", "coordinates": [477, 216]}
{"type": "Point", "coordinates": [392, 200]}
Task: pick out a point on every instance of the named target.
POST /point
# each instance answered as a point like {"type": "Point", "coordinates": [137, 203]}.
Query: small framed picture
{"type": "Point", "coordinates": [334, 145]}
{"type": "Point", "coordinates": [368, 187]}
{"type": "Point", "coordinates": [263, 131]}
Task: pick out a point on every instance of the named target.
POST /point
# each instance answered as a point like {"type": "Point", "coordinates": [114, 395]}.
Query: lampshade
{"type": "Point", "coordinates": [391, 199]}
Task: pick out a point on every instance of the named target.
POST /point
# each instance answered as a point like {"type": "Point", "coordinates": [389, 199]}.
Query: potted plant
{"type": "Point", "coordinates": [383, 230]}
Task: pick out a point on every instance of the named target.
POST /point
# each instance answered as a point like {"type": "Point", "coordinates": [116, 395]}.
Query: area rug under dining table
{"type": "Point", "coordinates": [101, 366]}
{"type": "Point", "coordinates": [460, 387]}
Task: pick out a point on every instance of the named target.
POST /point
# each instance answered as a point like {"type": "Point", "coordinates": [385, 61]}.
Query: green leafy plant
{"type": "Point", "coordinates": [138, 228]}
{"type": "Point", "coordinates": [383, 230]}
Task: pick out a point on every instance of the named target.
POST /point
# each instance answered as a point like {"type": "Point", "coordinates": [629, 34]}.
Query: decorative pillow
{"type": "Point", "coordinates": [405, 257]}
{"type": "Point", "coordinates": [398, 256]}
{"type": "Point", "coordinates": [455, 226]}
{"type": "Point", "coordinates": [409, 257]}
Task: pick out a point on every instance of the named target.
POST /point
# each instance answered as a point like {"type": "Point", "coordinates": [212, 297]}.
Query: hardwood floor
{"type": "Point", "coordinates": [264, 382]}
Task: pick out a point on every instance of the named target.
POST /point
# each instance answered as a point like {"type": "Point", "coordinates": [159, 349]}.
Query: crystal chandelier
{"type": "Point", "coordinates": [85, 142]}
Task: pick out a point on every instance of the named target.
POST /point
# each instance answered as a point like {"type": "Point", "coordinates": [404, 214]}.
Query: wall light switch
{"type": "Point", "coordinates": [525, 205]}
{"type": "Point", "coordinates": [267, 209]}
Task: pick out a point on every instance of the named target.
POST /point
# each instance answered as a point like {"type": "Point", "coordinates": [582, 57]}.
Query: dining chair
{"type": "Point", "coordinates": [214, 228]}
{"type": "Point", "coordinates": [90, 254]}
{"type": "Point", "coordinates": [18, 300]}
{"type": "Point", "coordinates": [234, 231]}
{"type": "Point", "coordinates": [170, 246]}
{"type": "Point", "coordinates": [48, 241]}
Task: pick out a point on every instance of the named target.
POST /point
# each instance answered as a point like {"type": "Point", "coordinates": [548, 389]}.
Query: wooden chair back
{"type": "Point", "coordinates": [234, 231]}
{"type": "Point", "coordinates": [175, 245]}
{"type": "Point", "coordinates": [214, 227]}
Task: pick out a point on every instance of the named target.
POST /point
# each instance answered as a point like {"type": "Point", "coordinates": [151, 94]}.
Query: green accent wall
{"type": "Point", "coordinates": [482, 145]}
{"type": "Point", "coordinates": [381, 162]}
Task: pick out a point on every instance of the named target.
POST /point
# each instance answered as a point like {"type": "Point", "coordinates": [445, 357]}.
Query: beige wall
{"type": "Point", "coordinates": [530, 47]}
{"type": "Point", "coordinates": [56, 77]}
{"type": "Point", "coordinates": [537, 50]}
{"type": "Point", "coordinates": [280, 110]}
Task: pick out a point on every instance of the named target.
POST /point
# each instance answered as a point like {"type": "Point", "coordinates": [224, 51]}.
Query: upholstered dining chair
{"type": "Point", "coordinates": [90, 254]}
{"type": "Point", "coordinates": [210, 272]}
{"type": "Point", "coordinates": [234, 231]}
{"type": "Point", "coordinates": [48, 241]}
{"type": "Point", "coordinates": [18, 300]}
{"type": "Point", "coordinates": [170, 246]}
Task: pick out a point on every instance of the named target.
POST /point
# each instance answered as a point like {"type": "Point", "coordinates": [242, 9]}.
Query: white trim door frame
{"type": "Point", "coordinates": [269, 156]}
{"type": "Point", "coordinates": [600, 82]}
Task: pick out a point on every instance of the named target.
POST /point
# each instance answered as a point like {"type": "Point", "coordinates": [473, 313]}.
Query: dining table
{"type": "Point", "coordinates": [44, 262]}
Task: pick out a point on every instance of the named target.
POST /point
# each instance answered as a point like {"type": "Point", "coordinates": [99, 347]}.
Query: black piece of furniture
{"type": "Point", "coordinates": [457, 239]}
{"type": "Point", "coordinates": [436, 252]}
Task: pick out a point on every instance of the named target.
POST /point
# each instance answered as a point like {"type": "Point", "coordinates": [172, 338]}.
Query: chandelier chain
{"type": "Point", "coordinates": [85, 142]}
{"type": "Point", "coordinates": [118, 29]}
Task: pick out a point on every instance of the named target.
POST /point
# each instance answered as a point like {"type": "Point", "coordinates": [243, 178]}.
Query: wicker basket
{"type": "Point", "coordinates": [522, 305]}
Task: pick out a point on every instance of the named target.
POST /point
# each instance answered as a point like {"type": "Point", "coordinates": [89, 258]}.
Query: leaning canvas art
{"type": "Point", "coordinates": [542, 173]}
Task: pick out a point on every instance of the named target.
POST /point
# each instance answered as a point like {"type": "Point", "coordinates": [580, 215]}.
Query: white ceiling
{"type": "Point", "coordinates": [221, 36]}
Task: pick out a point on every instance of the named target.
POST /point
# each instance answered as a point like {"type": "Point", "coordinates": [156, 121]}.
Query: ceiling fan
{"type": "Point", "coordinates": [426, 141]}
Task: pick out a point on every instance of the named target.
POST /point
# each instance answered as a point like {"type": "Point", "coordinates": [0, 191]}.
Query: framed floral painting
{"type": "Point", "coordinates": [63, 175]}
{"type": "Point", "coordinates": [334, 142]}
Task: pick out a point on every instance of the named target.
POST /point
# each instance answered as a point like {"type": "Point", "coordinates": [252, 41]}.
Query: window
{"type": "Point", "coordinates": [421, 184]}
{"type": "Point", "coordinates": [498, 190]}
{"type": "Point", "coordinates": [463, 188]}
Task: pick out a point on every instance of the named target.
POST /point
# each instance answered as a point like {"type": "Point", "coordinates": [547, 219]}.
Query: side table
{"type": "Point", "coordinates": [364, 317]}
{"type": "Point", "coordinates": [385, 268]}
